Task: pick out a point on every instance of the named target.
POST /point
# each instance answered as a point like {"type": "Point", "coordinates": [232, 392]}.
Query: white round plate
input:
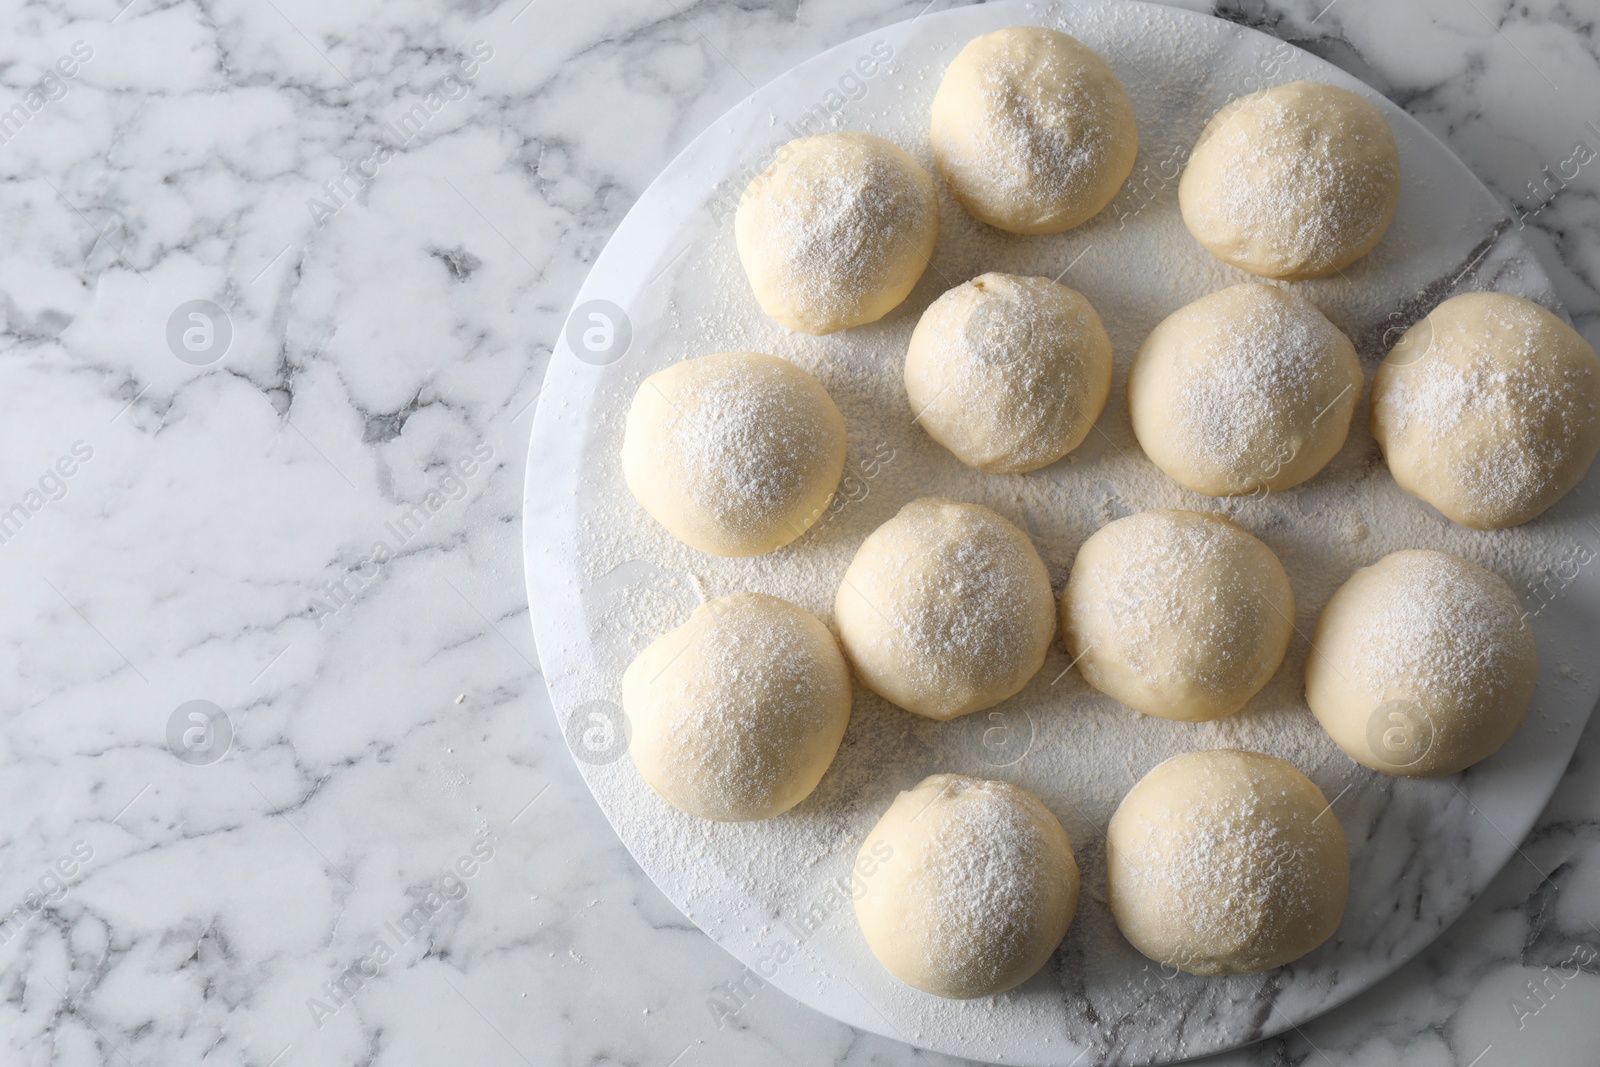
{"type": "Point", "coordinates": [604, 579]}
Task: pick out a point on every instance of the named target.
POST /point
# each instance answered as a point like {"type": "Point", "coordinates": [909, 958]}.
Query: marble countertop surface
{"type": "Point", "coordinates": [282, 785]}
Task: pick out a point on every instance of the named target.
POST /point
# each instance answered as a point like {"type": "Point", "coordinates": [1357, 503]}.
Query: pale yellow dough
{"type": "Point", "coordinates": [1250, 389]}
{"type": "Point", "coordinates": [1295, 181]}
{"type": "Point", "coordinates": [1488, 409]}
{"type": "Point", "coordinates": [965, 887]}
{"type": "Point", "coordinates": [836, 232]}
{"type": "Point", "coordinates": [736, 454]}
{"type": "Point", "coordinates": [1226, 862]}
{"type": "Point", "coordinates": [946, 609]}
{"type": "Point", "coordinates": [737, 714]}
{"type": "Point", "coordinates": [1177, 614]}
{"type": "Point", "coordinates": [1421, 664]}
{"type": "Point", "coordinates": [1008, 373]}
{"type": "Point", "coordinates": [1032, 131]}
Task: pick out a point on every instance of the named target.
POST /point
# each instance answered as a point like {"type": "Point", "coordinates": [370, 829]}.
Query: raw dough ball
{"type": "Point", "coordinates": [1226, 862]}
{"type": "Point", "coordinates": [735, 454]}
{"type": "Point", "coordinates": [965, 886]}
{"type": "Point", "coordinates": [1295, 181]}
{"type": "Point", "coordinates": [736, 714]}
{"type": "Point", "coordinates": [1247, 389]}
{"type": "Point", "coordinates": [1421, 664]}
{"type": "Point", "coordinates": [946, 609]}
{"type": "Point", "coordinates": [837, 231]}
{"type": "Point", "coordinates": [1488, 409]}
{"type": "Point", "coordinates": [1177, 614]}
{"type": "Point", "coordinates": [1009, 373]}
{"type": "Point", "coordinates": [1032, 131]}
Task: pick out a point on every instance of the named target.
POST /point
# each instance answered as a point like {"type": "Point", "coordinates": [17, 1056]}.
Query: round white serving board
{"type": "Point", "coordinates": [603, 580]}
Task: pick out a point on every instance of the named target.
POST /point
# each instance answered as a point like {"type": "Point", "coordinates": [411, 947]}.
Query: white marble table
{"type": "Point", "coordinates": [302, 506]}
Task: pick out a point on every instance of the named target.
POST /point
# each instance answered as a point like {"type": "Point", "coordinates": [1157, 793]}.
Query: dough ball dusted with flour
{"type": "Point", "coordinates": [1296, 181]}
{"type": "Point", "coordinates": [972, 886]}
{"type": "Point", "coordinates": [1421, 664]}
{"type": "Point", "coordinates": [946, 609]}
{"type": "Point", "coordinates": [1246, 389]}
{"type": "Point", "coordinates": [736, 714]}
{"type": "Point", "coordinates": [1008, 373]}
{"type": "Point", "coordinates": [1488, 409]}
{"type": "Point", "coordinates": [1177, 614]}
{"type": "Point", "coordinates": [1226, 862]}
{"type": "Point", "coordinates": [735, 454]}
{"type": "Point", "coordinates": [837, 231]}
{"type": "Point", "coordinates": [1032, 131]}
